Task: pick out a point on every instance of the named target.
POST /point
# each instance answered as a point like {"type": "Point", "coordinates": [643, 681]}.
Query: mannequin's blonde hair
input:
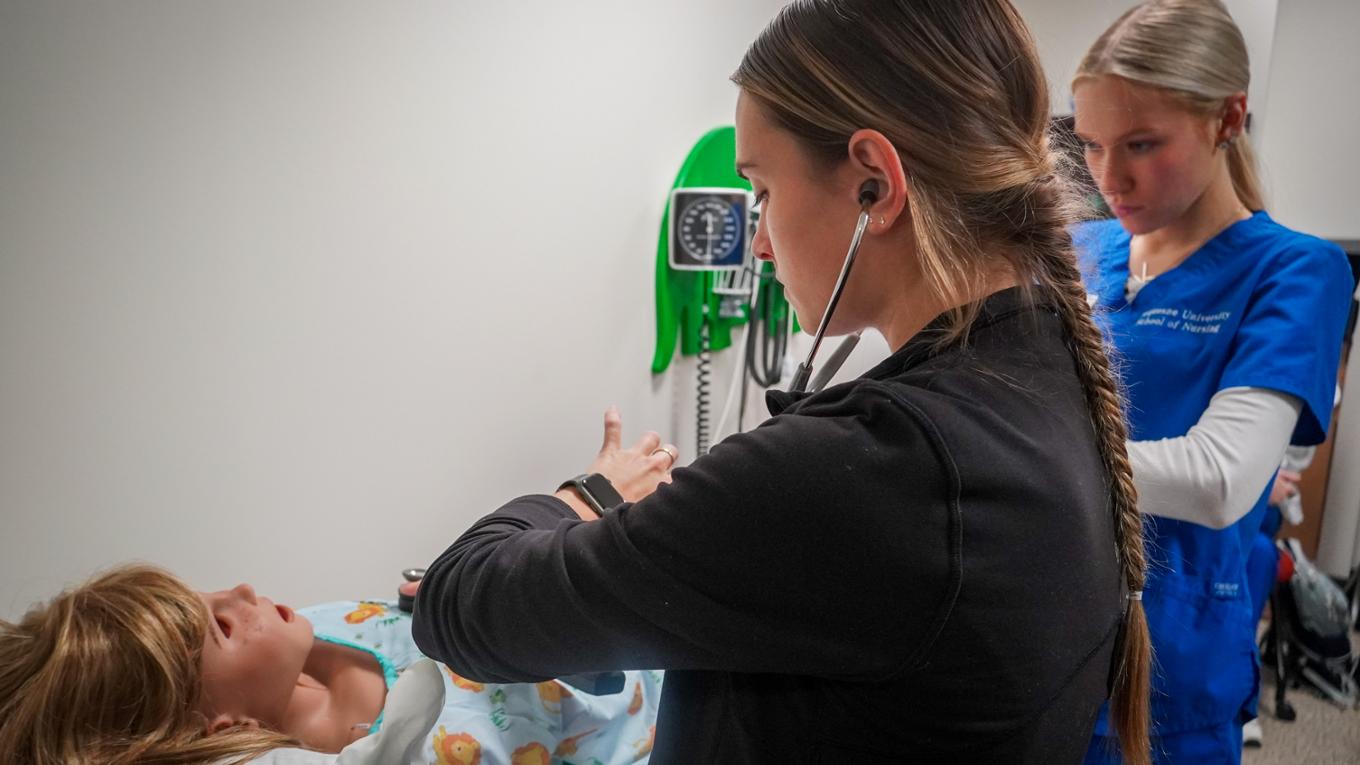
{"type": "Point", "coordinates": [957, 86]}
{"type": "Point", "coordinates": [109, 673]}
{"type": "Point", "coordinates": [1192, 50]}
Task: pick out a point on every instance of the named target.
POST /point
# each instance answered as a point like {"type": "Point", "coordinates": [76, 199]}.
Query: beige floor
{"type": "Point", "coordinates": [1323, 734]}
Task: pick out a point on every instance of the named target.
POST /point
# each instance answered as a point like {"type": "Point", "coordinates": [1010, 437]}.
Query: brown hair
{"type": "Point", "coordinates": [109, 673]}
{"type": "Point", "coordinates": [957, 86]}
{"type": "Point", "coordinates": [1194, 51]}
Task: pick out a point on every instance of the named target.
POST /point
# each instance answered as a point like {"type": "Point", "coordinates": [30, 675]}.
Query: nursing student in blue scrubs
{"type": "Point", "coordinates": [1229, 326]}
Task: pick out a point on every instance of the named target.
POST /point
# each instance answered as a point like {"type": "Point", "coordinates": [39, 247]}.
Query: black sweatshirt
{"type": "Point", "coordinates": [915, 566]}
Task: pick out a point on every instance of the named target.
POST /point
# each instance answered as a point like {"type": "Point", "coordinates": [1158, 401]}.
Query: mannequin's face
{"type": "Point", "coordinates": [1150, 156]}
{"type": "Point", "coordinates": [252, 658]}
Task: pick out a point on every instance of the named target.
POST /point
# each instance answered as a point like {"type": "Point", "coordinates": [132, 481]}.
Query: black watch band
{"type": "Point", "coordinates": [596, 490]}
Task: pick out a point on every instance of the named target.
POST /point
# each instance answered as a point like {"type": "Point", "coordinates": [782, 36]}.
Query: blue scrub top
{"type": "Point", "coordinates": [1259, 306]}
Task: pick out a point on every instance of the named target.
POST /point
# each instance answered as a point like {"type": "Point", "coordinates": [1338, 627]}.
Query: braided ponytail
{"type": "Point", "coordinates": [1053, 266]}
{"type": "Point", "coordinates": [1032, 222]}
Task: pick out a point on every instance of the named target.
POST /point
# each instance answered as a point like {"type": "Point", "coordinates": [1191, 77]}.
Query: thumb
{"type": "Point", "coordinates": [613, 429]}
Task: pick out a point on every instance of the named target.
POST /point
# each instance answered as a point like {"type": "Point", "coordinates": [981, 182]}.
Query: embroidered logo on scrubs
{"type": "Point", "coordinates": [1184, 320]}
{"type": "Point", "coordinates": [456, 749]}
{"type": "Point", "coordinates": [1226, 590]}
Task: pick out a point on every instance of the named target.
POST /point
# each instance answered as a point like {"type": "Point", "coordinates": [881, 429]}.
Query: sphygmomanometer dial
{"type": "Point", "coordinates": [711, 229]}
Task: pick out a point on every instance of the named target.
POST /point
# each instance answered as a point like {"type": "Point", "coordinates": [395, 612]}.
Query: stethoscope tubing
{"type": "Point", "coordinates": [800, 380]}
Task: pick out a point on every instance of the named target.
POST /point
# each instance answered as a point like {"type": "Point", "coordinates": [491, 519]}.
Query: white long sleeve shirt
{"type": "Point", "coordinates": [1214, 474]}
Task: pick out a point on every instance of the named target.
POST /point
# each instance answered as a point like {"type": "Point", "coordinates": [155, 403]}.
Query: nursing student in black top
{"type": "Point", "coordinates": [937, 562]}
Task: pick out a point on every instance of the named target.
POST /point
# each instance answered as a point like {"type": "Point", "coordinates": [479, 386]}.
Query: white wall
{"type": "Point", "coordinates": [1311, 143]}
{"type": "Point", "coordinates": [1313, 146]}
{"type": "Point", "coordinates": [293, 292]}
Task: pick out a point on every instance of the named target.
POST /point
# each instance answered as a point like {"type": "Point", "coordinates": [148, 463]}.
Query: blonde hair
{"type": "Point", "coordinates": [1192, 50]}
{"type": "Point", "coordinates": [957, 86]}
{"type": "Point", "coordinates": [109, 673]}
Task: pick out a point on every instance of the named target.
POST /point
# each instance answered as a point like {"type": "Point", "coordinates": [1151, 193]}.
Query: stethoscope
{"type": "Point", "coordinates": [868, 194]}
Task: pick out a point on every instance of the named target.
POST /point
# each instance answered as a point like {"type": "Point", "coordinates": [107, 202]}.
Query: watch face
{"type": "Point", "coordinates": [602, 490]}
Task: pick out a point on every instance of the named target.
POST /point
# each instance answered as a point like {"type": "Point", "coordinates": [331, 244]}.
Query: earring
{"type": "Point", "coordinates": [882, 221]}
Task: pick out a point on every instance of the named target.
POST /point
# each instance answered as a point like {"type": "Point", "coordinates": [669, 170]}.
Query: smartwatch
{"type": "Point", "coordinates": [596, 490]}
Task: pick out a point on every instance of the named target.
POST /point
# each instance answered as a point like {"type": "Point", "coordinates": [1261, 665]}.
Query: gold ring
{"type": "Point", "coordinates": [669, 453]}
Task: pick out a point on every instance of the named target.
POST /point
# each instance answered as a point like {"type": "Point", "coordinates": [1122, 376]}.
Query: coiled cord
{"type": "Point", "coordinates": [701, 406]}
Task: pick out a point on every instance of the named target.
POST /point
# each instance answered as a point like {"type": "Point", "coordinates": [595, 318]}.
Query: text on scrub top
{"type": "Point", "coordinates": [1184, 320]}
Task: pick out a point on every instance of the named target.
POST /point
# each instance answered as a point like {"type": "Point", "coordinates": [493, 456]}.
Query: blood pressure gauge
{"type": "Point", "coordinates": [709, 228]}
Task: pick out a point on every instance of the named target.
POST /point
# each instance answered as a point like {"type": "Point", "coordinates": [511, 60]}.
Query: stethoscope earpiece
{"type": "Point", "coordinates": [868, 193]}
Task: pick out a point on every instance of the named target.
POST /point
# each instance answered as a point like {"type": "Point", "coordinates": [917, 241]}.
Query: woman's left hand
{"type": "Point", "coordinates": [637, 470]}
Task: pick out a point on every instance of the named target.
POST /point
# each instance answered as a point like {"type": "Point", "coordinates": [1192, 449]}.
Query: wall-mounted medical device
{"type": "Point", "coordinates": [708, 283]}
{"type": "Point", "coordinates": [710, 229]}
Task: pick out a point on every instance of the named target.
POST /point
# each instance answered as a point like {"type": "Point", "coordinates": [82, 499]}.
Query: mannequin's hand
{"type": "Point", "coordinates": [637, 470]}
